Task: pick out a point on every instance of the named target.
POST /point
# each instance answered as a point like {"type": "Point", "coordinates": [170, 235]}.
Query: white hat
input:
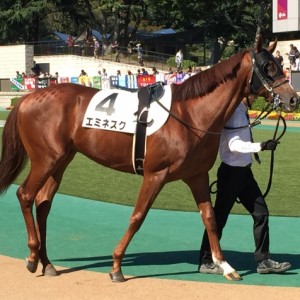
{"type": "Point", "coordinates": [138, 44]}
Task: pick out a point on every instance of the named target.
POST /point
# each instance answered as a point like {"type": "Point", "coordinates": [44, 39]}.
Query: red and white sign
{"type": "Point", "coordinates": [282, 13]}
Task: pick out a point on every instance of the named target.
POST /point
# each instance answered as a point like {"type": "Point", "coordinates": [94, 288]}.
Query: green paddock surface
{"type": "Point", "coordinates": [83, 233]}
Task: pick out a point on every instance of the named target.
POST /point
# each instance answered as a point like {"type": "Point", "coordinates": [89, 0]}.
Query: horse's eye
{"type": "Point", "coordinates": [270, 69]}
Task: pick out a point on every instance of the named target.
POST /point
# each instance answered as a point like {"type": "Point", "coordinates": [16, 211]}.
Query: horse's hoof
{"type": "Point", "coordinates": [49, 270]}
{"type": "Point", "coordinates": [31, 265]}
{"type": "Point", "coordinates": [117, 276]}
{"type": "Point", "coordinates": [233, 276]}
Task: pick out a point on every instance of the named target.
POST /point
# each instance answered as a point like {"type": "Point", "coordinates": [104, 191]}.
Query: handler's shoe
{"type": "Point", "coordinates": [210, 268]}
{"type": "Point", "coordinates": [267, 266]}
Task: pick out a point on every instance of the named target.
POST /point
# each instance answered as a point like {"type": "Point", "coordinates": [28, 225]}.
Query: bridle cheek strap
{"type": "Point", "coordinates": [255, 71]}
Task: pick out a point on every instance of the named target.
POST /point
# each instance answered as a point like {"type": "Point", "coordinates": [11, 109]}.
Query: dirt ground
{"type": "Point", "coordinates": [16, 283]}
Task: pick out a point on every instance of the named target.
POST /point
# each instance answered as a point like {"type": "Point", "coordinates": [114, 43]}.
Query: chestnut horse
{"type": "Point", "coordinates": [46, 127]}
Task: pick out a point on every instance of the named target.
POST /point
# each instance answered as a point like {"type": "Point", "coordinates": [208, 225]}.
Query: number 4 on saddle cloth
{"type": "Point", "coordinates": [132, 112]}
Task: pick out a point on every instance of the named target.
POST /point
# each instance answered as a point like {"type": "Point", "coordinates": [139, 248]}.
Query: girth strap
{"type": "Point", "coordinates": [141, 126]}
{"type": "Point", "coordinates": [145, 95]}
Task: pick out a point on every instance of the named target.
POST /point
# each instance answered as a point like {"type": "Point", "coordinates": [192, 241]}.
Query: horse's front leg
{"type": "Point", "coordinates": [199, 186]}
{"type": "Point", "coordinates": [152, 185]}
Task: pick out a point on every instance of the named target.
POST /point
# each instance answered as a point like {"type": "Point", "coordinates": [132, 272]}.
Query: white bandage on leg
{"type": "Point", "coordinates": [227, 269]}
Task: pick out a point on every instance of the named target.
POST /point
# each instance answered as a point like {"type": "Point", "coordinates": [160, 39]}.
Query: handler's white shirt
{"type": "Point", "coordinates": [235, 144]}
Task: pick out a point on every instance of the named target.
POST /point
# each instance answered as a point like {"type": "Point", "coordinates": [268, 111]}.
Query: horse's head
{"type": "Point", "coordinates": [268, 77]}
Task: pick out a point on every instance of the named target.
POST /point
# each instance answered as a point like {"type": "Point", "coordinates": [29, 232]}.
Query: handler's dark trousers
{"type": "Point", "coordinates": [233, 183]}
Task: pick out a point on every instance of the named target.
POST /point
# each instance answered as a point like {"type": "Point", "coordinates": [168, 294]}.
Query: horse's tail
{"type": "Point", "coordinates": [13, 156]}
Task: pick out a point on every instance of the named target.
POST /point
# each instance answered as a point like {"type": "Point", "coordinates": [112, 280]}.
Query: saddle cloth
{"type": "Point", "coordinates": [115, 110]}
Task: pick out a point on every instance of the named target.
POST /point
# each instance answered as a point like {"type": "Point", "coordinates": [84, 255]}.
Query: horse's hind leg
{"type": "Point", "coordinates": [199, 186]}
{"type": "Point", "coordinates": [43, 204]}
{"type": "Point", "coordinates": [37, 188]}
{"type": "Point", "coordinates": [151, 186]}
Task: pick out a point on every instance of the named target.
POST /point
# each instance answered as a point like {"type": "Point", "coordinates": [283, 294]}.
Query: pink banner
{"type": "Point", "coordinates": [282, 9]}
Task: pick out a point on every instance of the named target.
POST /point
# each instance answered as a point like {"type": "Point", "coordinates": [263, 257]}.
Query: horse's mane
{"type": "Point", "coordinates": [206, 81]}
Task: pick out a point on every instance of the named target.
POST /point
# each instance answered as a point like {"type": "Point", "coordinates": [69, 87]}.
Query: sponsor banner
{"type": "Point", "coordinates": [114, 81]}
{"type": "Point", "coordinates": [52, 81]}
{"type": "Point", "coordinates": [63, 79]}
{"type": "Point", "coordinates": [144, 80]}
{"type": "Point", "coordinates": [42, 83]}
{"type": "Point", "coordinates": [17, 84]}
{"type": "Point", "coordinates": [105, 83]}
{"type": "Point", "coordinates": [74, 80]}
{"type": "Point", "coordinates": [131, 81]}
{"type": "Point", "coordinates": [96, 83]}
{"type": "Point", "coordinates": [29, 83]}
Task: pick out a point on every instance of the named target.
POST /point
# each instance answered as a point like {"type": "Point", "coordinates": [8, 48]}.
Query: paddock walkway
{"type": "Point", "coordinates": [83, 233]}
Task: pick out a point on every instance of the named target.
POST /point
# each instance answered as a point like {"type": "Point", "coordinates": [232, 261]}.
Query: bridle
{"type": "Point", "coordinates": [263, 66]}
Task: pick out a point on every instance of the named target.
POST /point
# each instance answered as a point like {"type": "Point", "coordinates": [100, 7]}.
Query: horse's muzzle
{"type": "Point", "coordinates": [291, 105]}
{"type": "Point", "coordinates": [294, 102]}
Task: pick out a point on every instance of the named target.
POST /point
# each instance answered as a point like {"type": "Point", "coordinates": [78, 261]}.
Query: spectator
{"type": "Point", "coordinates": [139, 51]}
{"type": "Point", "coordinates": [129, 49]}
{"type": "Point", "coordinates": [23, 75]}
{"type": "Point", "coordinates": [104, 73]}
{"type": "Point", "coordinates": [144, 72]}
{"type": "Point", "coordinates": [297, 62]}
{"type": "Point", "coordinates": [35, 69]}
{"type": "Point", "coordinates": [96, 48]}
{"type": "Point", "coordinates": [83, 73]}
{"type": "Point", "coordinates": [129, 72]}
{"type": "Point", "coordinates": [154, 71]}
{"type": "Point", "coordinates": [292, 53]}
{"type": "Point", "coordinates": [279, 59]}
{"type": "Point", "coordinates": [179, 59]}
{"type": "Point", "coordinates": [116, 50]}
{"type": "Point", "coordinates": [42, 75]}
{"type": "Point", "coordinates": [83, 78]}
{"type": "Point", "coordinates": [118, 73]}
{"type": "Point", "coordinates": [18, 75]}
{"type": "Point", "coordinates": [70, 41]}
{"type": "Point", "coordinates": [56, 76]}
{"type": "Point", "coordinates": [286, 73]}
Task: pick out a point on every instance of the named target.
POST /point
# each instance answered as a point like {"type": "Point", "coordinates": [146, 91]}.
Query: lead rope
{"type": "Point", "coordinates": [280, 118]}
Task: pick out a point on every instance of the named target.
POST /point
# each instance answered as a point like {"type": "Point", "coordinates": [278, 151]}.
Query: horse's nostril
{"type": "Point", "coordinates": [294, 101]}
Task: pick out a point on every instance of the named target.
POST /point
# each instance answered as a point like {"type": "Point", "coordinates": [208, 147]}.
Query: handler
{"type": "Point", "coordinates": [235, 180]}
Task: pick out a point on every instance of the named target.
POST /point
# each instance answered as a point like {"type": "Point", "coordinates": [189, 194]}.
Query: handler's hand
{"type": "Point", "coordinates": [269, 145]}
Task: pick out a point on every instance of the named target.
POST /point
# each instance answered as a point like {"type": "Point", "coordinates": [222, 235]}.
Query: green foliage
{"type": "Point", "coordinates": [185, 64]}
{"type": "Point", "coordinates": [259, 104]}
{"type": "Point", "coordinates": [14, 101]}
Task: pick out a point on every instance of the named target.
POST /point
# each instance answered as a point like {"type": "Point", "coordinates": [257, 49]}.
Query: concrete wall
{"type": "Point", "coordinates": [21, 58]}
{"type": "Point", "coordinates": [15, 58]}
{"type": "Point", "coordinates": [71, 65]}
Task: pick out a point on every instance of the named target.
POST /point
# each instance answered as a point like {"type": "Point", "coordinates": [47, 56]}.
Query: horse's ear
{"type": "Point", "coordinates": [258, 43]}
{"type": "Point", "coordinates": [272, 47]}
